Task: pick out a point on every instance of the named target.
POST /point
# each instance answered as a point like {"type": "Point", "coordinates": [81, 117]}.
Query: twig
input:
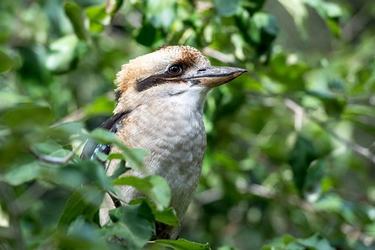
{"type": "Point", "coordinates": [356, 234]}
{"type": "Point", "coordinates": [298, 113]}
{"type": "Point", "coordinates": [356, 24]}
{"type": "Point", "coordinates": [220, 56]}
{"type": "Point", "coordinates": [77, 115]}
{"type": "Point", "coordinates": [54, 159]}
{"type": "Point", "coordinates": [261, 191]}
{"type": "Point", "coordinates": [208, 196]}
{"type": "Point", "coordinates": [365, 152]}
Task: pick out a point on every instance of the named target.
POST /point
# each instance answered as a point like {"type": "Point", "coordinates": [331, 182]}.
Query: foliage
{"type": "Point", "coordinates": [290, 145]}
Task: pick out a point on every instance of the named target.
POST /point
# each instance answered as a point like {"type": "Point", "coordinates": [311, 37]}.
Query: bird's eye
{"type": "Point", "coordinates": [175, 69]}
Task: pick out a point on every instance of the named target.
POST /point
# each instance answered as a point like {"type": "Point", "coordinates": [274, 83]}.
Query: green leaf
{"type": "Point", "coordinates": [315, 242]}
{"type": "Point", "coordinates": [23, 173]}
{"type": "Point", "coordinates": [262, 30]}
{"type": "Point", "coordinates": [167, 216]}
{"type": "Point", "coordinates": [370, 229]}
{"type": "Point", "coordinates": [77, 18]}
{"type": "Point", "coordinates": [63, 54]}
{"type": "Point", "coordinates": [26, 116]}
{"type": "Point", "coordinates": [112, 6]}
{"type": "Point", "coordinates": [253, 6]}
{"type": "Point", "coordinates": [227, 8]}
{"type": "Point", "coordinates": [104, 136]}
{"type": "Point", "coordinates": [133, 156]}
{"type": "Point", "coordinates": [266, 25]}
{"type": "Point", "coordinates": [300, 158]}
{"type": "Point", "coordinates": [297, 10]}
{"type": "Point", "coordinates": [333, 203]}
{"type": "Point", "coordinates": [101, 106]}
{"type": "Point", "coordinates": [10, 99]}
{"type": "Point", "coordinates": [315, 174]}
{"type": "Point", "coordinates": [161, 13]}
{"type": "Point", "coordinates": [288, 242]}
{"type": "Point", "coordinates": [6, 62]}
{"type": "Point", "coordinates": [98, 17]}
{"type": "Point", "coordinates": [330, 12]}
{"type": "Point", "coordinates": [155, 187]}
{"type": "Point", "coordinates": [82, 235]}
{"type": "Point", "coordinates": [330, 203]}
{"type": "Point", "coordinates": [147, 35]}
{"type": "Point", "coordinates": [133, 225]}
{"type": "Point", "coordinates": [84, 201]}
{"type": "Point", "coordinates": [334, 105]}
{"type": "Point", "coordinates": [289, 75]}
{"type": "Point", "coordinates": [180, 244]}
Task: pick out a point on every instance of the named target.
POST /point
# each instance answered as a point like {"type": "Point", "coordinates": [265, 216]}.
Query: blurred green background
{"type": "Point", "coordinates": [290, 162]}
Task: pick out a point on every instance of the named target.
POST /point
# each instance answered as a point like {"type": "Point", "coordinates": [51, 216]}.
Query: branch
{"type": "Point", "coordinates": [224, 58]}
{"type": "Point", "coordinates": [54, 159]}
{"type": "Point", "coordinates": [77, 115]}
{"type": "Point", "coordinates": [298, 113]}
{"type": "Point", "coordinates": [363, 151]}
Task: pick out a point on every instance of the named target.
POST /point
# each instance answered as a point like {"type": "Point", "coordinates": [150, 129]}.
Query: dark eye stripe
{"type": "Point", "coordinates": [157, 79]}
{"type": "Point", "coordinates": [149, 82]}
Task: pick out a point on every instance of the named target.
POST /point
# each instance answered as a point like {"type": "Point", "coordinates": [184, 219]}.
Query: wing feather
{"type": "Point", "coordinates": [92, 148]}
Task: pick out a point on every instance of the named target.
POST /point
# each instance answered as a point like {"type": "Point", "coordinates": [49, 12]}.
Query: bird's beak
{"type": "Point", "coordinates": [215, 76]}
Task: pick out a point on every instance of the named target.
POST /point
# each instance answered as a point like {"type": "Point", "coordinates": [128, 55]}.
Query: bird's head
{"type": "Point", "coordinates": [169, 73]}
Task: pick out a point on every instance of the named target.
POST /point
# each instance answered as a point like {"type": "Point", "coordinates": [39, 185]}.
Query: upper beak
{"type": "Point", "coordinates": [215, 76]}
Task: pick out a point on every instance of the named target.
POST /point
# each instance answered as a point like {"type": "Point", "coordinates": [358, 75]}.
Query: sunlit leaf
{"type": "Point", "coordinates": [98, 18]}
{"type": "Point", "coordinates": [101, 106]}
{"type": "Point", "coordinates": [167, 216]}
{"type": "Point", "coordinates": [22, 174]}
{"type": "Point", "coordinates": [161, 13]}
{"type": "Point", "coordinates": [315, 242]}
{"type": "Point", "coordinates": [77, 18]}
{"type": "Point", "coordinates": [154, 187]}
{"type": "Point", "coordinates": [133, 226]}
{"type": "Point", "coordinates": [63, 54]}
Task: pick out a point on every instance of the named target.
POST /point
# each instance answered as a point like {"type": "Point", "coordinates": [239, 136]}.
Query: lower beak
{"type": "Point", "coordinates": [215, 76]}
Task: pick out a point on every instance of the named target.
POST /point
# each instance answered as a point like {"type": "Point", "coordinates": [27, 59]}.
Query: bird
{"type": "Point", "coordinates": [160, 99]}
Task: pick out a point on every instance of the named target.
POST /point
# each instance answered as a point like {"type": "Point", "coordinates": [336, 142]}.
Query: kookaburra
{"type": "Point", "coordinates": [160, 109]}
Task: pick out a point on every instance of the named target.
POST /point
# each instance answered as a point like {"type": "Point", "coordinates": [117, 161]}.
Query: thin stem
{"type": "Point", "coordinates": [56, 160]}
{"type": "Point", "coordinates": [365, 152]}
